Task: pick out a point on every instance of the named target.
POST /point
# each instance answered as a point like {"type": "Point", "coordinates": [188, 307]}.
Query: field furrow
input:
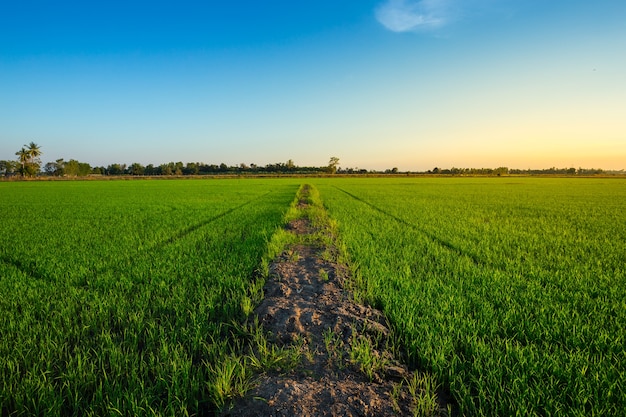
{"type": "Point", "coordinates": [434, 238]}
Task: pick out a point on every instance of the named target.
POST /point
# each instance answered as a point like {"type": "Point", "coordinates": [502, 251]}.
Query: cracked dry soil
{"type": "Point", "coordinates": [306, 304]}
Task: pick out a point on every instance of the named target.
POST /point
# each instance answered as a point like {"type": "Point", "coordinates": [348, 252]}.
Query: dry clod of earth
{"type": "Point", "coordinates": [346, 369]}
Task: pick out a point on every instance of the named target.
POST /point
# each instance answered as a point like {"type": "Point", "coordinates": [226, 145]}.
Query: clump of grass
{"type": "Point", "coordinates": [333, 345]}
{"type": "Point", "coordinates": [324, 275]}
{"type": "Point", "coordinates": [246, 306]}
{"type": "Point", "coordinates": [396, 393]}
{"type": "Point", "coordinates": [293, 255]}
{"type": "Point", "coordinates": [265, 356]}
{"type": "Point", "coordinates": [364, 355]}
{"type": "Point", "coordinates": [423, 392]}
{"type": "Point", "coordinates": [228, 379]}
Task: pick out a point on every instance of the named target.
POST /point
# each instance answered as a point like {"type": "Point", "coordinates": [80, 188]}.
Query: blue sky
{"type": "Point", "coordinates": [379, 84]}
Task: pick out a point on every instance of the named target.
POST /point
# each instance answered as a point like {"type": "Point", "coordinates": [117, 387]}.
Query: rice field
{"type": "Point", "coordinates": [119, 297]}
{"type": "Point", "coordinates": [115, 297]}
{"type": "Point", "coordinates": [511, 291]}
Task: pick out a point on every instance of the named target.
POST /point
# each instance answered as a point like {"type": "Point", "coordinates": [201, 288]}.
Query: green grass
{"type": "Point", "coordinates": [116, 297]}
{"type": "Point", "coordinates": [130, 297]}
{"type": "Point", "coordinates": [512, 291]}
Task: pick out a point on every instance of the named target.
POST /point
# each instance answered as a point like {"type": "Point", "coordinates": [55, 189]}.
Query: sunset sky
{"type": "Point", "coordinates": [379, 84]}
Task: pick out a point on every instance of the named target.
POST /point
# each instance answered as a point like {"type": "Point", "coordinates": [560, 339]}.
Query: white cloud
{"type": "Point", "coordinates": [413, 15]}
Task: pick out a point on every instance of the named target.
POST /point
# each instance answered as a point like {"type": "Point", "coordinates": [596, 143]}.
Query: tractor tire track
{"type": "Point", "coordinates": [433, 238]}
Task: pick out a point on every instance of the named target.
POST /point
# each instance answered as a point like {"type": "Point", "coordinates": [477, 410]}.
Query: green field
{"type": "Point", "coordinates": [511, 291]}
{"type": "Point", "coordinates": [118, 297]}
{"type": "Point", "coordinates": [114, 295]}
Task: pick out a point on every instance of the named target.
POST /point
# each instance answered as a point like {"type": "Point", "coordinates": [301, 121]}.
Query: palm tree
{"type": "Point", "coordinates": [28, 158]}
{"type": "Point", "coordinates": [24, 157]}
{"type": "Point", "coordinates": [34, 151]}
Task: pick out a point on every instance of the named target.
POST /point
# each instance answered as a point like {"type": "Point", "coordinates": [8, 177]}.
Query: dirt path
{"type": "Point", "coordinates": [347, 368]}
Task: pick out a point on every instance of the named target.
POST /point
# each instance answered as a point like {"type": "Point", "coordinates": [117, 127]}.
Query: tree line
{"type": "Point", "coordinates": [506, 171]}
{"type": "Point", "coordinates": [28, 164]}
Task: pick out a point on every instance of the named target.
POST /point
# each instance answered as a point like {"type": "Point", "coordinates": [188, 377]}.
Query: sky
{"type": "Point", "coordinates": [377, 83]}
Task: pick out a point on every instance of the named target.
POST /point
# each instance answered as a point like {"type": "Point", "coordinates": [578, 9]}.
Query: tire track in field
{"type": "Point", "coordinates": [188, 230]}
{"type": "Point", "coordinates": [179, 235]}
{"type": "Point", "coordinates": [26, 268]}
{"type": "Point", "coordinates": [31, 269]}
{"type": "Point", "coordinates": [444, 244]}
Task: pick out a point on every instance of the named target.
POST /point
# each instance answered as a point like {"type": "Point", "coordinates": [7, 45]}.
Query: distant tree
{"type": "Point", "coordinates": [49, 168]}
{"type": "Point", "coordinates": [34, 152]}
{"type": "Point", "coordinates": [22, 157]}
{"type": "Point", "coordinates": [116, 169]}
{"type": "Point", "coordinates": [150, 170]}
{"type": "Point", "coordinates": [59, 167]}
{"type": "Point", "coordinates": [501, 171]}
{"type": "Point", "coordinates": [84, 169]}
{"type": "Point", "coordinates": [28, 158]}
{"type": "Point", "coordinates": [56, 168]}
{"type": "Point", "coordinates": [71, 168]}
{"type": "Point", "coordinates": [8, 167]}
{"type": "Point", "coordinates": [192, 168]}
{"type": "Point", "coordinates": [166, 169]}
{"type": "Point", "coordinates": [136, 169]}
{"type": "Point", "coordinates": [333, 163]}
